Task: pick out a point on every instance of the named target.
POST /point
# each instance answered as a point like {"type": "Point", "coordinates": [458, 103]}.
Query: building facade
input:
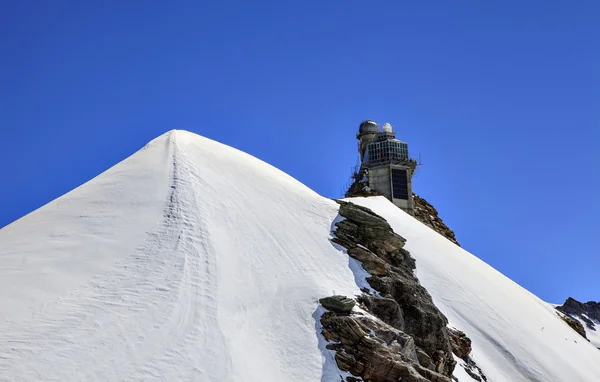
{"type": "Point", "coordinates": [386, 166]}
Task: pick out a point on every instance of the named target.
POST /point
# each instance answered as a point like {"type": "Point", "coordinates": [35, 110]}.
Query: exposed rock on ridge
{"type": "Point", "coordinates": [404, 308]}
{"type": "Point", "coordinates": [461, 347]}
{"type": "Point", "coordinates": [428, 215]}
{"type": "Point", "coordinates": [574, 324]}
{"type": "Point", "coordinates": [338, 304]}
{"type": "Point", "coordinates": [588, 312]}
{"type": "Point", "coordinates": [367, 347]}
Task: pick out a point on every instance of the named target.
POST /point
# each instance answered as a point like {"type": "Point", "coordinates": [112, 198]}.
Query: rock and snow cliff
{"type": "Point", "coordinates": [191, 260]}
{"type": "Point", "coordinates": [587, 315]}
{"type": "Point", "coordinates": [515, 335]}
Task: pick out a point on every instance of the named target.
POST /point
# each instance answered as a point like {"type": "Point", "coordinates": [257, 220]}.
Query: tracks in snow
{"type": "Point", "coordinates": [145, 318]}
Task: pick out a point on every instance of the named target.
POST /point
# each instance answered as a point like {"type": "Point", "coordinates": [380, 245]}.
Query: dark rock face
{"type": "Point", "coordinates": [461, 344]}
{"type": "Point", "coordinates": [586, 311]}
{"type": "Point", "coordinates": [473, 370]}
{"type": "Point", "coordinates": [374, 350]}
{"type": "Point", "coordinates": [406, 306]}
{"type": "Point", "coordinates": [340, 304]}
{"type": "Point", "coordinates": [461, 347]}
{"type": "Point", "coordinates": [386, 309]}
{"type": "Point", "coordinates": [428, 215]}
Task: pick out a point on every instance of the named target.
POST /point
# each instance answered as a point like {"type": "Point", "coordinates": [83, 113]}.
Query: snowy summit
{"type": "Point", "coordinates": [193, 261]}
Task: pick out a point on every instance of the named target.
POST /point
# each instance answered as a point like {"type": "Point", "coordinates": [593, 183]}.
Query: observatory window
{"type": "Point", "coordinates": [399, 184]}
{"type": "Point", "coordinates": [387, 150]}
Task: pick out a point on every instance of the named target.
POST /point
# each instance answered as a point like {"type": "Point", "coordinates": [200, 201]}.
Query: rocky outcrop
{"type": "Point", "coordinates": [573, 312]}
{"type": "Point", "coordinates": [367, 347]}
{"type": "Point", "coordinates": [402, 304]}
{"type": "Point", "coordinates": [461, 344]}
{"type": "Point", "coordinates": [588, 311]}
{"type": "Point", "coordinates": [428, 215]}
{"type": "Point", "coordinates": [339, 304]}
{"type": "Point", "coordinates": [461, 347]}
{"type": "Point", "coordinates": [386, 309]}
{"type": "Point", "coordinates": [574, 324]}
{"type": "Point", "coordinates": [472, 369]}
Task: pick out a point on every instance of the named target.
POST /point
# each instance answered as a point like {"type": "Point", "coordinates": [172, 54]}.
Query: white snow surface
{"type": "Point", "coordinates": [516, 336]}
{"type": "Point", "coordinates": [189, 260]}
{"type": "Point", "coordinates": [593, 334]}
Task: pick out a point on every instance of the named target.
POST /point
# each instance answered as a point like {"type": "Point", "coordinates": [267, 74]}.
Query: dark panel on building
{"type": "Point", "coordinates": [399, 184]}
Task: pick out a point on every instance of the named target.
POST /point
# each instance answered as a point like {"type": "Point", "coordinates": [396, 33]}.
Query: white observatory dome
{"type": "Point", "coordinates": [387, 128]}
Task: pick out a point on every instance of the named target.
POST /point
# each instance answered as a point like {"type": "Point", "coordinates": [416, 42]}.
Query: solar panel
{"type": "Point", "coordinates": [399, 184]}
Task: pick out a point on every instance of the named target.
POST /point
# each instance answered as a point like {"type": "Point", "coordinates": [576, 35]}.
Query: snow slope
{"type": "Point", "coordinates": [516, 336]}
{"type": "Point", "coordinates": [593, 334]}
{"type": "Point", "coordinates": [189, 260]}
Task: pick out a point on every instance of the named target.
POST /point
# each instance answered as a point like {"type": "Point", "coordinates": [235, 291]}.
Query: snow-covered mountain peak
{"type": "Point", "coordinates": [191, 260]}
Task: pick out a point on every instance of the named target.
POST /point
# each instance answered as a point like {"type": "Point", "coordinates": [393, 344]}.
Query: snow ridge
{"type": "Point", "coordinates": [194, 311]}
{"type": "Point", "coordinates": [159, 287]}
{"type": "Point", "coordinates": [189, 260]}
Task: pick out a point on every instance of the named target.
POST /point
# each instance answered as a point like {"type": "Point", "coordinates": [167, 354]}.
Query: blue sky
{"type": "Point", "coordinates": [500, 99]}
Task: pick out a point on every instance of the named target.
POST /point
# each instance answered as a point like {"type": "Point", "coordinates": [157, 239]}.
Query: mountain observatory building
{"type": "Point", "coordinates": [385, 166]}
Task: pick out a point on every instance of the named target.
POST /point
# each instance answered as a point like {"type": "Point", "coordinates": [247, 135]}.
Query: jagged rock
{"type": "Point", "coordinates": [425, 360]}
{"type": "Point", "coordinates": [473, 374]}
{"type": "Point", "coordinates": [344, 361]}
{"type": "Point", "coordinates": [361, 225]}
{"type": "Point", "coordinates": [461, 344]}
{"type": "Point", "coordinates": [376, 351]}
{"type": "Point", "coordinates": [340, 304]}
{"type": "Point", "coordinates": [416, 314]}
{"type": "Point", "coordinates": [461, 347]}
{"type": "Point", "coordinates": [574, 324]}
{"type": "Point", "coordinates": [371, 263]}
{"type": "Point", "coordinates": [586, 311]}
{"type": "Point", "coordinates": [428, 215]}
{"type": "Point", "coordinates": [329, 336]}
{"type": "Point", "coordinates": [405, 306]}
{"type": "Point", "coordinates": [422, 319]}
{"type": "Point", "coordinates": [473, 370]}
{"type": "Point", "coordinates": [362, 215]}
{"type": "Point", "coordinates": [386, 309]}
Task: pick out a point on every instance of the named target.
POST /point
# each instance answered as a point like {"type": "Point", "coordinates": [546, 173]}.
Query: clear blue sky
{"type": "Point", "coordinates": [501, 99]}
